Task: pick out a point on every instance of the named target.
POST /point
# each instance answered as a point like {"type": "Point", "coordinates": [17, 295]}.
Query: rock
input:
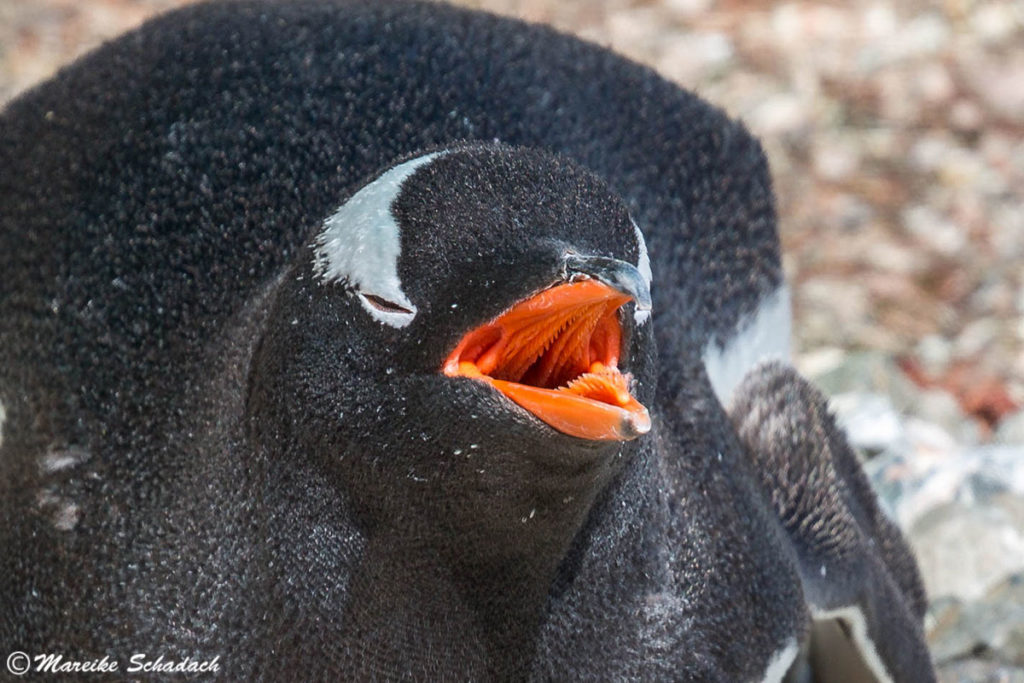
{"type": "Point", "coordinates": [966, 546]}
{"type": "Point", "coordinates": [934, 83]}
{"type": "Point", "coordinates": [780, 114]}
{"type": "Point", "coordinates": [930, 471]}
{"type": "Point", "coordinates": [934, 353]}
{"type": "Point", "coordinates": [979, 671]}
{"type": "Point", "coordinates": [865, 372]}
{"type": "Point", "coordinates": [901, 260]}
{"type": "Point", "coordinates": [932, 228]}
{"type": "Point", "coordinates": [940, 408]}
{"type": "Point", "coordinates": [882, 410]}
{"type": "Point", "coordinates": [823, 319]}
{"type": "Point", "coordinates": [929, 150]}
{"type": "Point", "coordinates": [925, 34]}
{"type": "Point", "coordinates": [998, 82]}
{"type": "Point", "coordinates": [995, 22]}
{"type": "Point", "coordinates": [966, 116]}
{"type": "Point", "coordinates": [871, 423]}
{"type": "Point", "coordinates": [689, 8]}
{"type": "Point", "coordinates": [976, 337]}
{"type": "Point", "coordinates": [922, 36]}
{"type": "Point", "coordinates": [879, 21]}
{"type": "Point", "coordinates": [1011, 430]}
{"type": "Point", "coordinates": [991, 628]}
{"type": "Point", "coordinates": [694, 57]}
{"type": "Point", "coordinates": [836, 159]}
{"type": "Point", "coordinates": [1008, 237]}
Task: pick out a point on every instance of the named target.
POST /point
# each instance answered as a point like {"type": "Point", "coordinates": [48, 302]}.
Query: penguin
{"type": "Point", "coordinates": [404, 341]}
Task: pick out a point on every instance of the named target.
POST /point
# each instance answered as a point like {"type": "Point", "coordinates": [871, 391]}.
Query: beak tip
{"type": "Point", "coordinates": [636, 424]}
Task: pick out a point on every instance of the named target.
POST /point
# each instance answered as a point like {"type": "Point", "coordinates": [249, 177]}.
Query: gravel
{"type": "Point", "coordinates": [895, 131]}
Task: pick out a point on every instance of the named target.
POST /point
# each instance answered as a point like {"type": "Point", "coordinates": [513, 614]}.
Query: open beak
{"type": "Point", "coordinates": [556, 353]}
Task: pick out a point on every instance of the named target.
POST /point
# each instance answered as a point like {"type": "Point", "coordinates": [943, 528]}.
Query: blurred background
{"type": "Point", "coordinates": [895, 132]}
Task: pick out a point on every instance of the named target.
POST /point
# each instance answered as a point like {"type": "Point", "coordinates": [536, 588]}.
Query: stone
{"type": "Point", "coordinates": [998, 81]}
{"type": "Point", "coordinates": [991, 627]}
{"type": "Point", "coordinates": [979, 671]}
{"type": "Point", "coordinates": [929, 470]}
{"type": "Point", "coordinates": [1010, 431]}
{"type": "Point", "coordinates": [865, 372]}
{"type": "Point", "coordinates": [871, 423]}
{"type": "Point", "coordinates": [966, 546]}
{"type": "Point", "coordinates": [934, 229]}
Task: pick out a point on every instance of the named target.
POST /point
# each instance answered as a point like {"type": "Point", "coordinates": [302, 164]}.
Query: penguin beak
{"type": "Point", "coordinates": [619, 275]}
{"type": "Point", "coordinates": [556, 353]}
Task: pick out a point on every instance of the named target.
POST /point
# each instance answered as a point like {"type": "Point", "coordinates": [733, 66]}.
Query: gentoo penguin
{"type": "Point", "coordinates": [343, 340]}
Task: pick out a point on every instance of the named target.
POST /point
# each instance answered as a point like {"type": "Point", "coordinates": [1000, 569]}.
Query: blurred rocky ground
{"type": "Point", "coordinates": [895, 131]}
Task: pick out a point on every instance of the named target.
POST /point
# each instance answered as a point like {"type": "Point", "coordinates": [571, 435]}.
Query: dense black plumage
{"type": "Point", "coordinates": [849, 552]}
{"type": "Point", "coordinates": [207, 452]}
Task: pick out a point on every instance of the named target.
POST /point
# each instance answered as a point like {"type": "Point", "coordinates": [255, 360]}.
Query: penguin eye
{"type": "Point", "coordinates": [383, 305]}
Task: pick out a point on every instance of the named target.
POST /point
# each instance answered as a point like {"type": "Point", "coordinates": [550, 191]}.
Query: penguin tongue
{"type": "Point", "coordinates": [555, 354]}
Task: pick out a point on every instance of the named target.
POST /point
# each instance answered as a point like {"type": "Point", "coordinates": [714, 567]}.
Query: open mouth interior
{"type": "Point", "coordinates": [556, 354]}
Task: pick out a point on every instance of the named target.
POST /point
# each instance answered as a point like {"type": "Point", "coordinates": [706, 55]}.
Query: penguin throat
{"type": "Point", "coordinates": [556, 355]}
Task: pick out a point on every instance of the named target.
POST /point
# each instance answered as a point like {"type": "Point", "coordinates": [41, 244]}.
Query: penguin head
{"type": "Point", "coordinates": [468, 330]}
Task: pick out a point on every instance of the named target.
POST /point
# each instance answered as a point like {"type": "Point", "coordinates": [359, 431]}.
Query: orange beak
{"type": "Point", "coordinates": [556, 355]}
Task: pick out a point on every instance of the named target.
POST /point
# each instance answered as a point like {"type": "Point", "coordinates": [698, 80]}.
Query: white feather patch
{"type": "Point", "coordinates": [780, 662]}
{"type": "Point", "coordinates": [759, 337]}
{"type": "Point", "coordinates": [854, 620]}
{"type": "Point", "coordinates": [643, 264]}
{"type": "Point", "coordinates": [361, 243]}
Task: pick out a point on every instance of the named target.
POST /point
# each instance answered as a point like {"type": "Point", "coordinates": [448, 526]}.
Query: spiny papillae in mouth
{"type": "Point", "coordinates": [556, 354]}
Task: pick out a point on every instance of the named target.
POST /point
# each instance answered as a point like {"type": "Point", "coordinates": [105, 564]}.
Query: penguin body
{"type": "Point", "coordinates": [268, 395]}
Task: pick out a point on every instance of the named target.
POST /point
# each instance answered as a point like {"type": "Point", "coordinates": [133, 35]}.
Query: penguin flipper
{"type": "Point", "coordinates": [860, 580]}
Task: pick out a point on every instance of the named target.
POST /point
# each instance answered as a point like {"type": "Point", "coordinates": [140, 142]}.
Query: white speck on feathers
{"type": "Point", "coordinates": [62, 459]}
{"type": "Point", "coordinates": [67, 516]}
{"type": "Point", "coordinates": [64, 514]}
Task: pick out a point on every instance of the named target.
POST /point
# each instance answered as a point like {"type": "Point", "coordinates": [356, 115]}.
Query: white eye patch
{"type": "Point", "coordinates": [643, 264]}
{"type": "Point", "coordinates": [360, 245]}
